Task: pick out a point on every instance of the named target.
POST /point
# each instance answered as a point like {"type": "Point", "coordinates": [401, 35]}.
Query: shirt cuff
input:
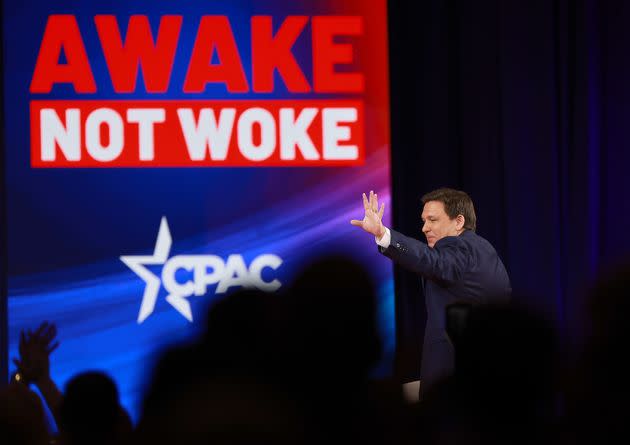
{"type": "Point", "coordinates": [385, 239]}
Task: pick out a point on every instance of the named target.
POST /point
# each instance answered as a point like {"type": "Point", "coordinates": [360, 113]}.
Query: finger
{"type": "Point", "coordinates": [365, 202]}
{"type": "Point", "coordinates": [51, 348]}
{"type": "Point", "coordinates": [382, 211]}
{"type": "Point", "coordinates": [52, 329]}
{"type": "Point", "coordinates": [375, 207]}
{"type": "Point", "coordinates": [49, 334]}
{"type": "Point", "coordinates": [356, 222]}
{"type": "Point", "coordinates": [371, 199]}
{"type": "Point", "coordinates": [40, 329]}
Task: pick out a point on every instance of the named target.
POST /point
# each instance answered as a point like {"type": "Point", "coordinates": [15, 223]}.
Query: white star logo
{"type": "Point", "coordinates": [138, 263]}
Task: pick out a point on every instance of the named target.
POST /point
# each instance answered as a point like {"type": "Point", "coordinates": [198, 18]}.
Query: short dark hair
{"type": "Point", "coordinates": [455, 203]}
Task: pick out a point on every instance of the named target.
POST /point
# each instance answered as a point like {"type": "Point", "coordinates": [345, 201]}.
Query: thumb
{"type": "Point", "coordinates": [356, 222]}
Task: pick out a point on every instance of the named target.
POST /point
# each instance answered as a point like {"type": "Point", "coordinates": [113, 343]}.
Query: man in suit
{"type": "Point", "coordinates": [455, 265]}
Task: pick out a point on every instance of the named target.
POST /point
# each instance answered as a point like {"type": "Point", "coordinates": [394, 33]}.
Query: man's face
{"type": "Point", "coordinates": [436, 223]}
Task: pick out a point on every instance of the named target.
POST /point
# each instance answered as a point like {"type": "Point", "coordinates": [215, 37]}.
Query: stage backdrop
{"type": "Point", "coordinates": [161, 154]}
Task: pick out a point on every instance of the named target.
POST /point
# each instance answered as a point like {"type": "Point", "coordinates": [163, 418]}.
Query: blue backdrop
{"type": "Point", "coordinates": [68, 228]}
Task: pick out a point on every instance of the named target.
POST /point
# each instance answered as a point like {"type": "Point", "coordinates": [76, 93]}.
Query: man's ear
{"type": "Point", "coordinates": [460, 221]}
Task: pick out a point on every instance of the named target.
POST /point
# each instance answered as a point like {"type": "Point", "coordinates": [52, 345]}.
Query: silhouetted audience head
{"type": "Point", "coordinates": [228, 387]}
{"type": "Point", "coordinates": [504, 386]}
{"type": "Point", "coordinates": [244, 337]}
{"type": "Point", "coordinates": [336, 342]}
{"type": "Point", "coordinates": [90, 412]}
{"type": "Point", "coordinates": [506, 357]}
{"type": "Point", "coordinates": [246, 334]}
{"type": "Point", "coordinates": [334, 303]}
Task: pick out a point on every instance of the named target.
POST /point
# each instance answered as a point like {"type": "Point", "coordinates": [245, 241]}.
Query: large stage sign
{"type": "Point", "coordinates": [161, 154]}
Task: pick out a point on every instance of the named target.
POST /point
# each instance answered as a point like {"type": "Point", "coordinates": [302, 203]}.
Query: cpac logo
{"type": "Point", "coordinates": [232, 272]}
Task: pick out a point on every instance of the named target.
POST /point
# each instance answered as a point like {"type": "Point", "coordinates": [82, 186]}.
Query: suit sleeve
{"type": "Point", "coordinates": [445, 262]}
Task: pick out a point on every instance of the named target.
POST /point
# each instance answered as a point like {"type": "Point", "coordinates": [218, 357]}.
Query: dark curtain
{"type": "Point", "coordinates": [526, 106]}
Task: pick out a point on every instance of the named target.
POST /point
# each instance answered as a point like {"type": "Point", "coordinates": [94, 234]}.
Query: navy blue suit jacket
{"type": "Point", "coordinates": [463, 268]}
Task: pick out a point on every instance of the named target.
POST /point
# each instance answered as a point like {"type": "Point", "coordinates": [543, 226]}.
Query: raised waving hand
{"type": "Point", "coordinates": [372, 220]}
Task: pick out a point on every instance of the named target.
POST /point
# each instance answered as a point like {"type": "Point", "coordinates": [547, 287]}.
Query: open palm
{"type": "Point", "coordinates": [371, 222]}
